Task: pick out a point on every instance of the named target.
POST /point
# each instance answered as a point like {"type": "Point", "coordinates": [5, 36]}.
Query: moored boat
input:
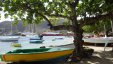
{"type": "Point", "coordinates": [39, 54]}
{"type": "Point", "coordinates": [9, 38]}
{"type": "Point", "coordinates": [57, 34]}
{"type": "Point", "coordinates": [36, 41]}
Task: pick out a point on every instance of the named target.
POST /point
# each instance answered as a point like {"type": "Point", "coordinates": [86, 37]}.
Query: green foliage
{"type": "Point", "coordinates": [54, 21]}
{"type": "Point", "coordinates": [98, 27]}
{"type": "Point", "coordinates": [25, 10]}
{"type": "Point", "coordinates": [15, 22]}
{"type": "Point", "coordinates": [89, 8]}
{"type": "Point", "coordinates": [0, 16]}
{"type": "Point", "coordinates": [66, 22]}
{"type": "Point", "coordinates": [88, 28]}
{"type": "Point", "coordinates": [34, 11]}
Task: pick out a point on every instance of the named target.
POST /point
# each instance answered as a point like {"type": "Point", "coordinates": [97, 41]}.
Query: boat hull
{"type": "Point", "coordinates": [36, 41]}
{"type": "Point", "coordinates": [9, 38]}
{"type": "Point", "coordinates": [58, 60]}
{"type": "Point", "coordinates": [35, 56]}
{"type": "Point", "coordinates": [67, 46]}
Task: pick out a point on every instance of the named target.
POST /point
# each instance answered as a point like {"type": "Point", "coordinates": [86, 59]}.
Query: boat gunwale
{"type": "Point", "coordinates": [36, 40]}
{"type": "Point", "coordinates": [59, 50]}
{"type": "Point", "coordinates": [47, 59]}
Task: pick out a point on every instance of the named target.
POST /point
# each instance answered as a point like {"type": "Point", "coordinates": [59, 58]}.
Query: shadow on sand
{"type": "Point", "coordinates": [97, 58]}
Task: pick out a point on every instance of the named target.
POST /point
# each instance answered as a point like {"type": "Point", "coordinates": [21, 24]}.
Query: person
{"type": "Point", "coordinates": [41, 36]}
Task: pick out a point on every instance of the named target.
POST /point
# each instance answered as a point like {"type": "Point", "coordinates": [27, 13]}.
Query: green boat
{"type": "Point", "coordinates": [38, 54]}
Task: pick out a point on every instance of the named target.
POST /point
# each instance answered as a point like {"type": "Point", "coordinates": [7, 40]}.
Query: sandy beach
{"type": "Point", "coordinates": [99, 56]}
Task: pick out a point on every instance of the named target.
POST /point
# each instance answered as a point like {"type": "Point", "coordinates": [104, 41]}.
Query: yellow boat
{"type": "Point", "coordinates": [16, 45]}
{"type": "Point", "coordinates": [39, 54]}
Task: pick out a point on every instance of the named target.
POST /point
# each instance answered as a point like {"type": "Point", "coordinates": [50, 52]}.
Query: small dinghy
{"type": "Point", "coordinates": [38, 54]}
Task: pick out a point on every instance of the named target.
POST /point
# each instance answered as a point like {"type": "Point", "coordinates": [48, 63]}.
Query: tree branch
{"type": "Point", "coordinates": [76, 2]}
{"type": "Point", "coordinates": [62, 27]}
{"type": "Point", "coordinates": [93, 20]}
{"type": "Point", "coordinates": [56, 15]}
{"type": "Point", "coordinates": [42, 16]}
{"type": "Point", "coordinates": [46, 19]}
{"type": "Point", "coordinates": [59, 27]}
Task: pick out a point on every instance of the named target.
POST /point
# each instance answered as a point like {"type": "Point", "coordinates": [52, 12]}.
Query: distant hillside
{"type": "Point", "coordinates": [37, 28]}
{"type": "Point", "coordinates": [5, 27]}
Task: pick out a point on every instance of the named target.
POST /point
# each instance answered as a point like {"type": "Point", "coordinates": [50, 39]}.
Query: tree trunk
{"type": "Point", "coordinates": [77, 30]}
{"type": "Point", "coordinates": [78, 42]}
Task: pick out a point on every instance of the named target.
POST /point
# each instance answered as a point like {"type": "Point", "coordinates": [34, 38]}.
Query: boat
{"type": "Point", "coordinates": [16, 45]}
{"type": "Point", "coordinates": [57, 34]}
{"type": "Point", "coordinates": [37, 54]}
{"type": "Point", "coordinates": [9, 38]}
{"type": "Point", "coordinates": [99, 40]}
{"type": "Point", "coordinates": [32, 36]}
{"type": "Point", "coordinates": [36, 41]}
{"type": "Point", "coordinates": [52, 34]}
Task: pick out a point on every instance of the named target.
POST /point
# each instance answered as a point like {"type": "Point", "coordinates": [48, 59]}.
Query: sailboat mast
{"type": "Point", "coordinates": [16, 28]}
{"type": "Point", "coordinates": [112, 25]}
{"type": "Point", "coordinates": [11, 26]}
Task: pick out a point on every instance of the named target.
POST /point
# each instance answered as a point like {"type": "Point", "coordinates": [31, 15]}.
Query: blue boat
{"type": "Point", "coordinates": [36, 41]}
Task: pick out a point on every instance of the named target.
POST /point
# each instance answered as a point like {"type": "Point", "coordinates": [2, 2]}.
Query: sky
{"type": "Point", "coordinates": [3, 18]}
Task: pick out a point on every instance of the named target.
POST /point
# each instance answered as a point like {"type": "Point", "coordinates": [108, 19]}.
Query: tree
{"type": "Point", "coordinates": [89, 11]}
{"type": "Point", "coordinates": [98, 27]}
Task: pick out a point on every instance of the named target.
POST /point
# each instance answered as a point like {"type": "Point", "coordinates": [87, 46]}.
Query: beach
{"type": "Point", "coordinates": [99, 56]}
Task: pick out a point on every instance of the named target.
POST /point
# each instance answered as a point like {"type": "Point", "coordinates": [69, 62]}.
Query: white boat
{"type": "Point", "coordinates": [32, 36]}
{"type": "Point", "coordinates": [52, 34]}
{"type": "Point", "coordinates": [98, 40]}
{"type": "Point", "coordinates": [9, 38]}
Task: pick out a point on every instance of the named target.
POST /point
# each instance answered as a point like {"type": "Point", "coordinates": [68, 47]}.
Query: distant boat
{"type": "Point", "coordinates": [52, 34]}
{"type": "Point", "coordinates": [9, 38]}
{"type": "Point", "coordinates": [36, 41]}
{"type": "Point", "coordinates": [57, 34]}
{"type": "Point", "coordinates": [16, 45]}
{"type": "Point", "coordinates": [37, 54]}
{"type": "Point", "coordinates": [32, 36]}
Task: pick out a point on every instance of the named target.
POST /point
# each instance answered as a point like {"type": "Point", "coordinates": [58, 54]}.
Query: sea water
{"type": "Point", "coordinates": [48, 41]}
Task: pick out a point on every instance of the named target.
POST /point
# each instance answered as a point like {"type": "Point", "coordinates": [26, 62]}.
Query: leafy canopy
{"type": "Point", "coordinates": [33, 11]}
